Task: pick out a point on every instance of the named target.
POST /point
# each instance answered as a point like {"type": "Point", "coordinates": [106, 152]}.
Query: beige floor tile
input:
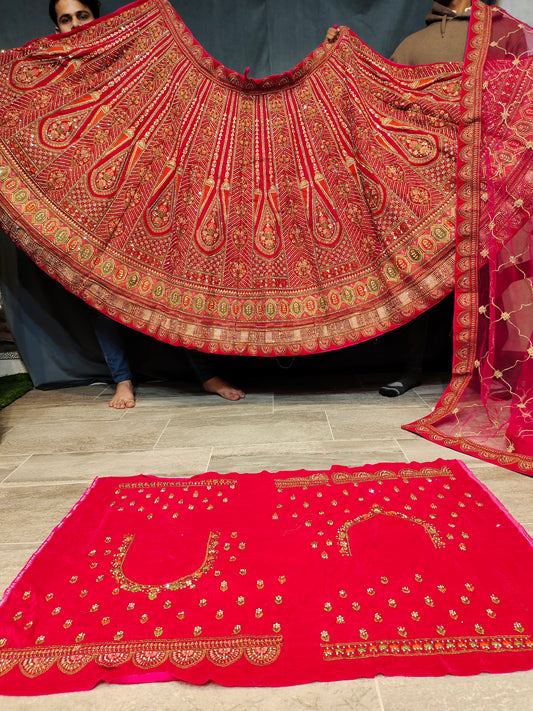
{"type": "Point", "coordinates": [9, 464]}
{"type": "Point", "coordinates": [63, 396]}
{"type": "Point", "coordinates": [357, 695]}
{"type": "Point", "coordinates": [418, 449]}
{"type": "Point", "coordinates": [242, 428]}
{"type": "Point", "coordinates": [303, 455]}
{"type": "Point", "coordinates": [499, 479]}
{"type": "Point", "coordinates": [429, 393]}
{"type": "Point", "coordinates": [486, 692]}
{"type": "Point", "coordinates": [13, 558]}
{"type": "Point", "coordinates": [431, 388]}
{"type": "Point", "coordinates": [430, 400]}
{"type": "Point", "coordinates": [201, 403]}
{"type": "Point", "coordinates": [515, 491]}
{"type": "Point", "coordinates": [29, 513]}
{"type": "Point", "coordinates": [372, 422]}
{"type": "Point", "coordinates": [129, 433]}
{"type": "Point", "coordinates": [352, 397]}
{"type": "Point", "coordinates": [85, 466]}
{"type": "Point", "coordinates": [19, 413]}
{"type": "Point", "coordinates": [517, 504]}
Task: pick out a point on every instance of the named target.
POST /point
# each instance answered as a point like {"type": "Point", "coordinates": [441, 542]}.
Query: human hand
{"type": "Point", "coordinates": [332, 35]}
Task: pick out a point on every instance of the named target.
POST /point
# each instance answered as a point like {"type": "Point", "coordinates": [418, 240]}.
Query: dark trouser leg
{"type": "Point", "coordinates": [109, 336]}
{"type": "Point", "coordinates": [202, 364]}
{"type": "Point", "coordinates": [417, 337]}
{"type": "Point", "coordinates": [416, 333]}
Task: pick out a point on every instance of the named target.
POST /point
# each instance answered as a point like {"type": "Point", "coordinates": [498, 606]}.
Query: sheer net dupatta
{"type": "Point", "coordinates": [487, 410]}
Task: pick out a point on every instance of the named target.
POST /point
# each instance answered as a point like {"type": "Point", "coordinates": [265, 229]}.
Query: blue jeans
{"type": "Point", "coordinates": [109, 334]}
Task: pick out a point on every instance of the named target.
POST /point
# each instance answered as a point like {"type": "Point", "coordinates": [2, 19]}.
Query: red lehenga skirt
{"type": "Point", "coordinates": [287, 215]}
{"type": "Point", "coordinates": [292, 214]}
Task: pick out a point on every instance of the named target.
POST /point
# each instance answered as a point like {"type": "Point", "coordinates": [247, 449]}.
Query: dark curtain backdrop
{"type": "Point", "coordinates": [269, 36]}
{"type": "Point", "coordinates": [50, 326]}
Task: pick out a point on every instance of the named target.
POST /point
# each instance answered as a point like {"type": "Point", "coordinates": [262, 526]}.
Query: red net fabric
{"type": "Point", "coordinates": [292, 214]}
{"type": "Point", "coordinates": [488, 408]}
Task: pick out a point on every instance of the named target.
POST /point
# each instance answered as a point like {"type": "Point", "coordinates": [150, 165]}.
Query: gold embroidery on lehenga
{"type": "Point", "coordinates": [187, 581]}
{"type": "Point", "coordinates": [172, 140]}
{"type": "Point", "coordinates": [344, 541]}
{"type": "Point", "coordinates": [315, 479]}
{"type": "Point", "coordinates": [424, 647]}
{"type": "Point", "coordinates": [184, 485]}
{"type": "Point", "coordinates": [345, 477]}
{"type": "Point", "coordinates": [144, 654]}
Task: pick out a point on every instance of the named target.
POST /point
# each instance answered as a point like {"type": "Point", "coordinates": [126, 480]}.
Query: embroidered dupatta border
{"type": "Point", "coordinates": [467, 250]}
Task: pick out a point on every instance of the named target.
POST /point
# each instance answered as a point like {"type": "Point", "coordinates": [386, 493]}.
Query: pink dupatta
{"type": "Point", "coordinates": [487, 410]}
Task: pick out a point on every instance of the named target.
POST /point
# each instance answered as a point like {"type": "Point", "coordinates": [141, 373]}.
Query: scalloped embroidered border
{"type": "Point", "coordinates": [144, 654]}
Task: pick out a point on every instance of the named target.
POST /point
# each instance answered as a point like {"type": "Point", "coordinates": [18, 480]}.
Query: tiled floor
{"type": "Point", "coordinates": [54, 443]}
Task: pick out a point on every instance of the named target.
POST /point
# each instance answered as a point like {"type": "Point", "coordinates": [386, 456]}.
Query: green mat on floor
{"type": "Point", "coordinates": [13, 387]}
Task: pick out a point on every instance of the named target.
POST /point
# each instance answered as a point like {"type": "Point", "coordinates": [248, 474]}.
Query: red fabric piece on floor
{"type": "Point", "coordinates": [273, 579]}
{"type": "Point", "coordinates": [291, 214]}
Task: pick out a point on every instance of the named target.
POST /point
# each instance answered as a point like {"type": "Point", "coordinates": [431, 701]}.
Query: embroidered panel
{"type": "Point", "coordinates": [303, 581]}
{"type": "Point", "coordinates": [487, 410]}
{"type": "Point", "coordinates": [292, 214]}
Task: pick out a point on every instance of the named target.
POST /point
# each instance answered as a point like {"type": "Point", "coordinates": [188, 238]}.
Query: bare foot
{"type": "Point", "coordinates": [221, 387]}
{"type": "Point", "coordinates": [124, 396]}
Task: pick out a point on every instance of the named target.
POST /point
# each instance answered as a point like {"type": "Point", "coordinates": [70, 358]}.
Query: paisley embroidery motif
{"type": "Point", "coordinates": [209, 235]}
{"type": "Point", "coordinates": [326, 228]}
{"type": "Point", "coordinates": [159, 216]}
{"type": "Point", "coordinates": [267, 230]}
{"type": "Point", "coordinates": [420, 149]}
{"type": "Point", "coordinates": [104, 179]}
{"type": "Point", "coordinates": [281, 193]}
{"type": "Point", "coordinates": [27, 74]}
{"type": "Point", "coordinates": [57, 132]}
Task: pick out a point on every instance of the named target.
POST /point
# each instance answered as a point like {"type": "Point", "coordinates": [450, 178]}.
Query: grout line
{"type": "Point", "coordinates": [401, 448]}
{"type": "Point", "coordinates": [28, 484]}
{"type": "Point", "coordinates": [4, 481]}
{"type": "Point", "coordinates": [69, 452]}
{"type": "Point", "coordinates": [378, 692]}
{"type": "Point", "coordinates": [161, 434]}
{"type": "Point", "coordinates": [13, 545]}
{"type": "Point", "coordinates": [312, 442]}
{"type": "Point", "coordinates": [208, 467]}
{"type": "Point", "coordinates": [329, 425]}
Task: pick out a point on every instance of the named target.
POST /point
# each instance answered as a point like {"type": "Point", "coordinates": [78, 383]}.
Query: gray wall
{"type": "Point", "coordinates": [270, 36]}
{"type": "Point", "coordinates": [521, 9]}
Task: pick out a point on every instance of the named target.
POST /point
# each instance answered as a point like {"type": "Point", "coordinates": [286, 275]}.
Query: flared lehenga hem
{"type": "Point", "coordinates": [292, 214]}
